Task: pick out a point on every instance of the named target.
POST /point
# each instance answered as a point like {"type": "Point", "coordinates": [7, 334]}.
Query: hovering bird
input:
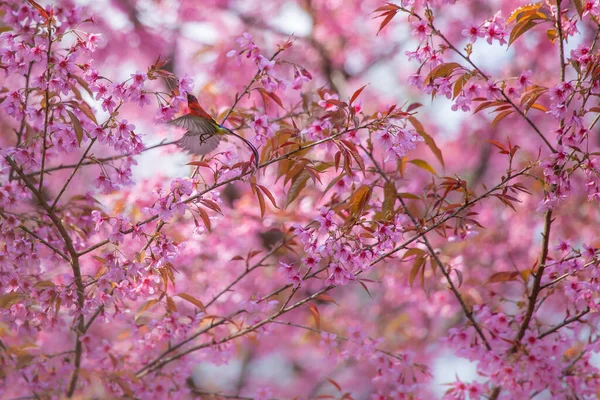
{"type": "Point", "coordinates": [203, 133]}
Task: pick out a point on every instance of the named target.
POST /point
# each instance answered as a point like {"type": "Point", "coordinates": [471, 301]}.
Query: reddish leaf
{"type": "Point", "coordinates": [212, 205]}
{"type": "Point", "coordinates": [261, 202]}
{"type": "Point", "coordinates": [413, 107]}
{"type": "Point", "coordinates": [366, 288]}
{"type": "Point", "coordinates": [334, 383]}
{"type": "Point", "coordinates": [39, 9]}
{"type": "Point", "coordinates": [205, 218]}
{"type": "Point", "coordinates": [499, 145]}
{"type": "Point", "coordinates": [325, 297]}
{"type": "Point", "coordinates": [199, 164]}
{"type": "Point", "coordinates": [387, 7]}
{"type": "Point", "coordinates": [501, 116]}
{"type": "Point", "coordinates": [315, 313]}
{"type": "Point", "coordinates": [356, 94]}
{"type": "Point", "coordinates": [269, 195]}
{"type": "Point", "coordinates": [388, 17]}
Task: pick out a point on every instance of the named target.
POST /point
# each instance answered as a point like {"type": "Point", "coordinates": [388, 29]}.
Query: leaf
{"type": "Point", "coordinates": [540, 107]}
{"type": "Point", "coordinates": [389, 201]}
{"type": "Point", "coordinates": [406, 195]}
{"type": "Point", "coordinates": [86, 110]}
{"type": "Point", "coordinates": [388, 17]}
{"type": "Point", "coordinates": [487, 104]}
{"type": "Point", "coordinates": [76, 126]}
{"type": "Point", "coordinates": [516, 14]}
{"type": "Point", "coordinates": [499, 145]}
{"type": "Point", "coordinates": [298, 183]}
{"type": "Point", "coordinates": [205, 219]}
{"type": "Point", "coordinates": [356, 94]}
{"type": "Point", "coordinates": [501, 116]}
{"type": "Point", "coordinates": [387, 7]}
{"type": "Point", "coordinates": [442, 71]}
{"type": "Point", "coordinates": [145, 306]}
{"type": "Point", "coordinates": [315, 313]}
{"type": "Point", "coordinates": [261, 201]}
{"type": "Point", "coordinates": [39, 9]}
{"type": "Point", "coordinates": [579, 7]}
{"type": "Point", "coordinates": [428, 139]}
{"type": "Point", "coordinates": [519, 29]}
{"type": "Point", "coordinates": [44, 285]}
{"type": "Point", "coordinates": [459, 275]}
{"type": "Point", "coordinates": [359, 200]}
{"type": "Point", "coordinates": [269, 195]}
{"type": "Point", "coordinates": [193, 300]}
{"type": "Point", "coordinates": [7, 300]}
{"type": "Point", "coordinates": [82, 83]}
{"type": "Point", "coordinates": [351, 147]}
{"type": "Point", "coordinates": [334, 383]}
{"type": "Point", "coordinates": [503, 276]}
{"type": "Point", "coordinates": [325, 297]}
{"type": "Point", "coordinates": [365, 287]}
{"type": "Point", "coordinates": [424, 165]}
{"type": "Point", "coordinates": [459, 84]}
{"type": "Point", "coordinates": [199, 164]}
{"type": "Point", "coordinates": [275, 98]}
{"type": "Point", "coordinates": [414, 251]}
{"type": "Point", "coordinates": [334, 181]}
{"type": "Point", "coordinates": [171, 306]}
{"type": "Point", "coordinates": [413, 106]}
{"type": "Point", "coordinates": [212, 205]}
{"type": "Point", "coordinates": [418, 264]}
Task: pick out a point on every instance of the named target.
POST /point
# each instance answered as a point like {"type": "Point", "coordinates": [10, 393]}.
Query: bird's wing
{"type": "Point", "coordinates": [201, 137]}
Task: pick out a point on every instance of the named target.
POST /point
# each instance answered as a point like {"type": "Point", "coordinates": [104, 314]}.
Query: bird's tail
{"type": "Point", "coordinates": [254, 151]}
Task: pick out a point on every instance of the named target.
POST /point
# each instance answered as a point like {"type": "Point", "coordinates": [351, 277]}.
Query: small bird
{"type": "Point", "coordinates": [203, 133]}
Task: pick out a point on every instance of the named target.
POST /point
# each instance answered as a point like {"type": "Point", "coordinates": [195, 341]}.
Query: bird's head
{"type": "Point", "coordinates": [191, 99]}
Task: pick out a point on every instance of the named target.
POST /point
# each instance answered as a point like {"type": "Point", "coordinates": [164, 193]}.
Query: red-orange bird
{"type": "Point", "coordinates": [203, 133]}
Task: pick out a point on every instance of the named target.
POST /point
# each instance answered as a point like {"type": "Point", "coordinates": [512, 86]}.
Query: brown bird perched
{"type": "Point", "coordinates": [203, 133]}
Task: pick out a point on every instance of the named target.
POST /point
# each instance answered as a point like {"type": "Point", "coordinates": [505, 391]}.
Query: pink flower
{"type": "Point", "coordinates": [109, 105]}
{"type": "Point", "coordinates": [265, 64]}
{"type": "Point", "coordinates": [472, 31]}
{"type": "Point", "coordinates": [263, 393]}
{"type": "Point", "coordinates": [327, 105]}
{"type": "Point", "coordinates": [492, 90]}
{"type": "Point", "coordinates": [329, 341]}
{"type": "Point", "coordinates": [138, 79]}
{"type": "Point", "coordinates": [524, 80]}
{"type": "Point", "coordinates": [421, 29]}
{"type": "Point", "coordinates": [245, 40]}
